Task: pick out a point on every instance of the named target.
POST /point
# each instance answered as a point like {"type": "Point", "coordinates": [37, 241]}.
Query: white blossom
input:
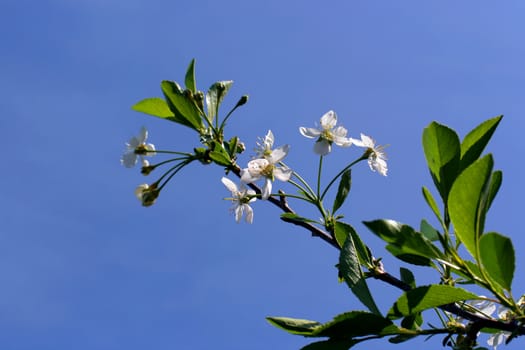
{"type": "Point", "coordinates": [137, 147]}
{"type": "Point", "coordinates": [241, 197]}
{"type": "Point", "coordinates": [147, 194]}
{"type": "Point", "coordinates": [327, 134]}
{"type": "Point", "coordinates": [376, 154]}
{"type": "Point", "coordinates": [497, 339]}
{"type": "Point", "coordinates": [266, 166]}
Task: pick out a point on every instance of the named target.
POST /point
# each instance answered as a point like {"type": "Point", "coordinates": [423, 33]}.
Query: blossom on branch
{"type": "Point", "coordinates": [327, 134]}
{"type": "Point", "coordinates": [147, 194]}
{"type": "Point", "coordinates": [137, 147]}
{"type": "Point", "coordinates": [241, 197]}
{"type": "Point", "coordinates": [266, 166]}
{"type": "Point", "coordinates": [376, 154]}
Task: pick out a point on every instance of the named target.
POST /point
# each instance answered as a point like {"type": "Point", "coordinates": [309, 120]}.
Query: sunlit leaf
{"type": "Point", "coordinates": [495, 184]}
{"type": "Point", "coordinates": [403, 239]}
{"type": "Point", "coordinates": [182, 105]}
{"type": "Point", "coordinates": [442, 151]}
{"type": "Point", "coordinates": [497, 257]}
{"type": "Point", "coordinates": [432, 203]}
{"type": "Point", "coordinates": [294, 325]}
{"type": "Point", "coordinates": [427, 297]}
{"type": "Point", "coordinates": [296, 218]}
{"type": "Point", "coordinates": [474, 143]}
{"type": "Point", "coordinates": [154, 106]}
{"type": "Point", "coordinates": [189, 80]}
{"type": "Point", "coordinates": [214, 97]}
{"type": "Point", "coordinates": [468, 202]}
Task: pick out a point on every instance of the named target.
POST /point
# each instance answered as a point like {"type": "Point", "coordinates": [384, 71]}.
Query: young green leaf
{"type": "Point", "coordinates": [442, 151]}
{"type": "Point", "coordinates": [154, 106]}
{"type": "Point", "coordinates": [350, 270]}
{"type": "Point", "coordinates": [495, 184]}
{"type": "Point", "coordinates": [294, 325]}
{"type": "Point", "coordinates": [356, 324]}
{"type": "Point", "coordinates": [214, 97]}
{"type": "Point", "coordinates": [474, 143]}
{"type": "Point", "coordinates": [343, 190]}
{"type": "Point", "coordinates": [497, 258]}
{"type": "Point", "coordinates": [189, 80]}
{"type": "Point", "coordinates": [181, 105]}
{"type": "Point", "coordinates": [404, 240]}
{"type": "Point", "coordinates": [292, 217]}
{"type": "Point", "coordinates": [432, 203]}
{"type": "Point", "coordinates": [427, 297]}
{"type": "Point", "coordinates": [468, 202]}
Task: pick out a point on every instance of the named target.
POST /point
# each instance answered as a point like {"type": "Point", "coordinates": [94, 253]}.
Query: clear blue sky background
{"type": "Point", "coordinates": [84, 266]}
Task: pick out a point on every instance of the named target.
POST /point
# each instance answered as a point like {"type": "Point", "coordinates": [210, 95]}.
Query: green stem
{"type": "Point", "coordinates": [363, 157]}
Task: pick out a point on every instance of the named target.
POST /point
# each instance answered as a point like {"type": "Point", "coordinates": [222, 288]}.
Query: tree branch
{"type": "Point", "coordinates": [477, 322]}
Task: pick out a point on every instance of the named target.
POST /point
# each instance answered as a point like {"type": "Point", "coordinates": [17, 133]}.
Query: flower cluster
{"type": "Point", "coordinates": [487, 308]}
{"type": "Point", "coordinates": [329, 133]}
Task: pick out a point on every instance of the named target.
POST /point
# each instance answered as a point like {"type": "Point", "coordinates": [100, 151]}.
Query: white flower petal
{"type": "Point", "coordinates": [143, 136]}
{"type": "Point", "coordinates": [247, 177]}
{"type": "Point", "coordinates": [133, 143]}
{"type": "Point", "coordinates": [322, 147]}
{"type": "Point", "coordinates": [238, 212]}
{"type": "Point", "coordinates": [328, 120]}
{"type": "Point", "coordinates": [282, 174]}
{"type": "Point", "coordinates": [267, 189]}
{"type": "Point", "coordinates": [129, 159]}
{"type": "Point", "coordinates": [310, 132]}
{"type": "Point", "coordinates": [278, 154]}
{"type": "Point", "coordinates": [497, 339]}
{"type": "Point", "coordinates": [268, 139]}
{"type": "Point", "coordinates": [139, 191]}
{"type": "Point", "coordinates": [249, 213]}
{"type": "Point", "coordinates": [230, 185]}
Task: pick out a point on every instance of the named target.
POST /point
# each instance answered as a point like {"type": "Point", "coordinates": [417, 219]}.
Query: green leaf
{"type": "Point", "coordinates": [292, 217]}
{"type": "Point", "coordinates": [331, 344]}
{"type": "Point", "coordinates": [214, 97]}
{"type": "Point", "coordinates": [343, 190]}
{"type": "Point", "coordinates": [182, 106]}
{"type": "Point", "coordinates": [427, 297]}
{"type": "Point", "coordinates": [428, 231]}
{"type": "Point", "coordinates": [219, 155]}
{"type": "Point", "coordinates": [468, 202]}
{"type": "Point", "coordinates": [403, 239]}
{"type": "Point", "coordinates": [495, 184]}
{"type": "Point", "coordinates": [474, 143]}
{"type": "Point", "coordinates": [407, 257]}
{"type": "Point", "coordinates": [407, 277]}
{"type": "Point", "coordinates": [189, 80]}
{"type": "Point", "coordinates": [342, 230]}
{"type": "Point", "coordinates": [432, 203]}
{"type": "Point", "coordinates": [356, 324]}
{"type": "Point", "coordinates": [154, 106]}
{"type": "Point", "coordinates": [497, 258]}
{"type": "Point", "coordinates": [294, 325]}
{"type": "Point", "coordinates": [350, 270]}
{"type": "Point", "coordinates": [442, 151]}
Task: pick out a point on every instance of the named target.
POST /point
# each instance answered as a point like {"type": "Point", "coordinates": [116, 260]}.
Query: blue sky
{"type": "Point", "coordinates": [84, 266]}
